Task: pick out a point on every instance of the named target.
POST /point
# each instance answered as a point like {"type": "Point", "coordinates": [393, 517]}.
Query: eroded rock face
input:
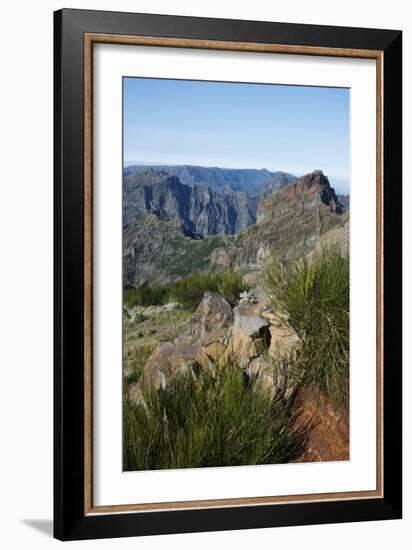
{"type": "Point", "coordinates": [200, 210]}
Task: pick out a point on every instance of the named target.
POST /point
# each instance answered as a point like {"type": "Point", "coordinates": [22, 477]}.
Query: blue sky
{"type": "Point", "coordinates": [292, 128]}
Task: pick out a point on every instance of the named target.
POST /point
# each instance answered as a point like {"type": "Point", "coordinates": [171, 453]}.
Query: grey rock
{"type": "Point", "coordinates": [214, 317]}
{"type": "Point", "coordinates": [252, 326]}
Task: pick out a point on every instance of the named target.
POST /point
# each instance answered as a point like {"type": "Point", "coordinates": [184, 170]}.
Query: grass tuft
{"type": "Point", "coordinates": [314, 296]}
{"type": "Point", "coordinates": [214, 420]}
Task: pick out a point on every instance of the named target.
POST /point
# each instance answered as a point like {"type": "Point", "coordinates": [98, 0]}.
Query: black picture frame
{"type": "Point", "coordinates": [70, 520]}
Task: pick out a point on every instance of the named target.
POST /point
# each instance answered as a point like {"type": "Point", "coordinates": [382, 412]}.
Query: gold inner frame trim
{"type": "Point", "coordinates": [89, 40]}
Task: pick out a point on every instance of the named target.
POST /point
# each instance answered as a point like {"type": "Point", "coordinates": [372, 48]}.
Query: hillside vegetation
{"type": "Point", "coordinates": [215, 420]}
{"type": "Point", "coordinates": [188, 292]}
{"type": "Point", "coordinates": [219, 415]}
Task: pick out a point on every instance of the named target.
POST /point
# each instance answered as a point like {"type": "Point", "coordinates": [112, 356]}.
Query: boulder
{"type": "Point", "coordinates": [159, 366]}
{"type": "Point", "coordinates": [251, 336]}
{"type": "Point", "coordinates": [167, 360]}
{"type": "Point", "coordinates": [214, 317]}
{"type": "Point", "coordinates": [199, 347]}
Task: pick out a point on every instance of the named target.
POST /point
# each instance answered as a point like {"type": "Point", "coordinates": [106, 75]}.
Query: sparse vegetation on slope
{"type": "Point", "coordinates": [144, 328]}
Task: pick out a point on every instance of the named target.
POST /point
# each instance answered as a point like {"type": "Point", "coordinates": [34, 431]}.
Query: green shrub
{"type": "Point", "coordinates": [230, 286]}
{"type": "Point", "coordinates": [314, 295]}
{"type": "Point", "coordinates": [215, 420]}
{"type": "Point", "coordinates": [188, 292]}
{"type": "Point", "coordinates": [144, 296]}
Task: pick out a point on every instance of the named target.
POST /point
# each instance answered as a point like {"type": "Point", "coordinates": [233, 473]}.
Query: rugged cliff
{"type": "Point", "coordinates": [160, 249]}
{"type": "Point", "coordinates": [199, 210]}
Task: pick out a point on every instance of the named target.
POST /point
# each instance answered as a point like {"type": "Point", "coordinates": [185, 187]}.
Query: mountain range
{"type": "Point", "coordinates": [172, 229]}
{"type": "Point", "coordinates": [223, 180]}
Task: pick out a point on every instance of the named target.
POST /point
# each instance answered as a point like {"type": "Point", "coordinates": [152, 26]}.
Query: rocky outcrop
{"type": "Point", "coordinates": [249, 336]}
{"type": "Point", "coordinates": [263, 345]}
{"type": "Point", "coordinates": [196, 348]}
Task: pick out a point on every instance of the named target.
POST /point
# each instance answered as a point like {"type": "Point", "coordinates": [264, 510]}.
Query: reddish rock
{"type": "Point", "coordinates": [325, 432]}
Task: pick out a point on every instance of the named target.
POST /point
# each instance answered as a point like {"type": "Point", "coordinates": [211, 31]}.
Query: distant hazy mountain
{"type": "Point", "coordinates": [341, 185]}
{"type": "Point", "coordinates": [225, 180]}
{"type": "Point", "coordinates": [344, 199]}
{"type": "Point", "coordinates": [278, 181]}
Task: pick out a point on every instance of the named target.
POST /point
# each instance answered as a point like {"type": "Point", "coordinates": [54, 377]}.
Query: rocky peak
{"type": "Point", "coordinates": [247, 337]}
{"type": "Point", "coordinates": [309, 191]}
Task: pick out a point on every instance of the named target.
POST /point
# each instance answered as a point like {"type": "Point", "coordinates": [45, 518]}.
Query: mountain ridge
{"type": "Point", "coordinates": [246, 180]}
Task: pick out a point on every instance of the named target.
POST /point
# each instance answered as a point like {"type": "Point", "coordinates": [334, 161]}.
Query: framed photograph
{"type": "Point", "coordinates": [227, 274]}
